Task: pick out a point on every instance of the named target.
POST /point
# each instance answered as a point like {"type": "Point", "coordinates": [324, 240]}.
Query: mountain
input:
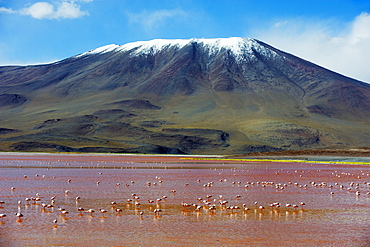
{"type": "Point", "coordinates": [197, 96]}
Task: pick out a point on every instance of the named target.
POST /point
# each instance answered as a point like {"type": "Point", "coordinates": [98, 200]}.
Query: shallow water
{"type": "Point", "coordinates": [339, 219]}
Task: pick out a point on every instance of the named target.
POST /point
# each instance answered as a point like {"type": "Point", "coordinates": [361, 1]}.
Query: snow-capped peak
{"type": "Point", "coordinates": [239, 47]}
{"type": "Point", "coordinates": [153, 46]}
{"type": "Point", "coordinates": [235, 44]}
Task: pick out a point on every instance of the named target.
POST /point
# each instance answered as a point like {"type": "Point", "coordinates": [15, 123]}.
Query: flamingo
{"type": "Point", "coordinates": [103, 211]}
{"type": "Point", "coordinates": [19, 215]}
{"type": "Point", "coordinates": [90, 211]}
{"type": "Point", "coordinates": [157, 211]}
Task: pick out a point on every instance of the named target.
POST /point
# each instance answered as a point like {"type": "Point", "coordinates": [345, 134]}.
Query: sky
{"type": "Point", "coordinates": [334, 34]}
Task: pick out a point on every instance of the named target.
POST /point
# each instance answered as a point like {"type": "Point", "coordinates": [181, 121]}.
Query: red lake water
{"type": "Point", "coordinates": [165, 202]}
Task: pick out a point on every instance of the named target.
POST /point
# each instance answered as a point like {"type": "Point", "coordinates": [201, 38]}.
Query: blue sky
{"type": "Point", "coordinates": [332, 33]}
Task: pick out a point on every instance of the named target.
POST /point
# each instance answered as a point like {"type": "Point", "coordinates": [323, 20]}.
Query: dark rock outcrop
{"type": "Point", "coordinates": [12, 100]}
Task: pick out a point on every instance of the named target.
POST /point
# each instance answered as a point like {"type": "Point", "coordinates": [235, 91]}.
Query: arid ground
{"type": "Point", "coordinates": [143, 200]}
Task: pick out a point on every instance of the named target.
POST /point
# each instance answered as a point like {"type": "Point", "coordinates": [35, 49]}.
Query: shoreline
{"type": "Point", "coordinates": [353, 152]}
{"type": "Point", "coordinates": [170, 158]}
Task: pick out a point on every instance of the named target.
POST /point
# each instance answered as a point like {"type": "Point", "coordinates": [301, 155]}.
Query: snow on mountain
{"type": "Point", "coordinates": [153, 46]}
{"type": "Point", "coordinates": [101, 50]}
{"type": "Point", "coordinates": [241, 48]}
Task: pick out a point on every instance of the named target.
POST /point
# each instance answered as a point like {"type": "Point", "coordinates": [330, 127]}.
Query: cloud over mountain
{"type": "Point", "coordinates": [327, 43]}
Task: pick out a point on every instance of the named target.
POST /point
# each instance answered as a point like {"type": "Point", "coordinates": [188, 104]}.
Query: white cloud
{"type": "Point", "coordinates": [150, 20]}
{"type": "Point", "coordinates": [360, 31]}
{"type": "Point", "coordinates": [343, 48]}
{"type": "Point", "coordinates": [40, 10]}
{"type": "Point", "coordinates": [6, 11]}
{"type": "Point", "coordinates": [69, 10]}
{"type": "Point", "coordinates": [45, 10]}
{"type": "Point", "coordinates": [280, 23]}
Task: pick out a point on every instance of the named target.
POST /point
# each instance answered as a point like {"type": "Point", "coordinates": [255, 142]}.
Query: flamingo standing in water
{"type": "Point", "coordinates": [90, 211]}
{"type": "Point", "coordinates": [103, 211]}
{"type": "Point", "coordinates": [64, 212]}
{"type": "Point", "coordinates": [157, 211]}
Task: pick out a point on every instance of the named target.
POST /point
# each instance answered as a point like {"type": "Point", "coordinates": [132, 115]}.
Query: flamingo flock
{"type": "Point", "coordinates": [207, 203]}
{"type": "Point", "coordinates": [110, 194]}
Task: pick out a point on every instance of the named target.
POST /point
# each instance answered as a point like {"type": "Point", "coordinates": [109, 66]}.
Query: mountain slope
{"type": "Point", "coordinates": [193, 96]}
